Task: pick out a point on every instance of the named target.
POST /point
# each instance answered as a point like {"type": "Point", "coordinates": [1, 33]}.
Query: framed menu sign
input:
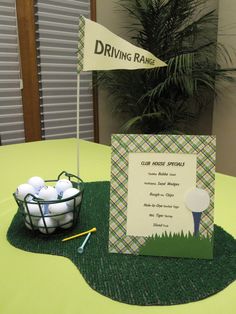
{"type": "Point", "coordinates": [162, 195]}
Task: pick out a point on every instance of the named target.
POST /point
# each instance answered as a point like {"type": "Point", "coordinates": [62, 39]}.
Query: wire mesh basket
{"type": "Point", "coordinates": [48, 216]}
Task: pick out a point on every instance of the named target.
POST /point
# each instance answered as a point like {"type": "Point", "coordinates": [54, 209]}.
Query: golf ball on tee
{"type": "Point", "coordinates": [37, 182]}
{"type": "Point", "coordinates": [23, 190]}
{"type": "Point", "coordinates": [62, 185]}
{"type": "Point", "coordinates": [50, 223]}
{"type": "Point", "coordinates": [197, 200]}
{"type": "Point", "coordinates": [48, 193]}
{"type": "Point", "coordinates": [70, 193]}
{"type": "Point", "coordinates": [58, 209]}
{"type": "Point", "coordinates": [66, 221]}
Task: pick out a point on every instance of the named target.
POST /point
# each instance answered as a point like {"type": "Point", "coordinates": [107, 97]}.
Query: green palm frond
{"type": "Point", "coordinates": [184, 35]}
{"type": "Point", "coordinates": [132, 123]}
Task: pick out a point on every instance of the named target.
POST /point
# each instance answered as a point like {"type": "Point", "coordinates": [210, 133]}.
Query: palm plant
{"type": "Point", "coordinates": [183, 34]}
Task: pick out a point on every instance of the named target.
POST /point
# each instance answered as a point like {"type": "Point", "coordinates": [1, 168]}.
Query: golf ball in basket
{"type": "Point", "coordinates": [23, 190]}
{"type": "Point", "coordinates": [69, 193]}
{"type": "Point", "coordinates": [37, 182]}
{"type": "Point", "coordinates": [62, 185]}
{"type": "Point", "coordinates": [50, 223]}
{"type": "Point", "coordinates": [48, 193]}
{"type": "Point", "coordinates": [34, 210]}
{"type": "Point", "coordinates": [33, 221]}
{"type": "Point", "coordinates": [66, 221]}
{"type": "Point", "coordinates": [58, 209]}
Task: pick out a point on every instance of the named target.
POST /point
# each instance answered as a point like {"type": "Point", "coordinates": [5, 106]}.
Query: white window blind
{"type": "Point", "coordinates": [57, 38]}
{"type": "Point", "coordinates": [11, 115]}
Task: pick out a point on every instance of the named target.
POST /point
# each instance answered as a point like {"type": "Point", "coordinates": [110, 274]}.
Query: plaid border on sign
{"type": "Point", "coordinates": [122, 145]}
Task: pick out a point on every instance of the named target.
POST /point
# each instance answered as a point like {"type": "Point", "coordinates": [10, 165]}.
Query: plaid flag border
{"type": "Point", "coordinates": [80, 53]}
{"type": "Point", "coordinates": [122, 145]}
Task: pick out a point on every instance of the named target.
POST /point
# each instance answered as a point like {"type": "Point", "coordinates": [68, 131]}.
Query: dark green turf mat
{"type": "Point", "coordinates": [141, 280]}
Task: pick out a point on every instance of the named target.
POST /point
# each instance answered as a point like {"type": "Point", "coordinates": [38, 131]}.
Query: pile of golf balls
{"type": "Point", "coordinates": [46, 217]}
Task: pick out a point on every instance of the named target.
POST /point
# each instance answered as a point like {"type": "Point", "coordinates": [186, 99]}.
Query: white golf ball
{"type": "Point", "coordinates": [23, 190]}
{"type": "Point", "coordinates": [37, 182]}
{"type": "Point", "coordinates": [62, 185]}
{"type": "Point", "coordinates": [50, 223]}
{"type": "Point", "coordinates": [69, 193]}
{"type": "Point", "coordinates": [66, 221]}
{"type": "Point", "coordinates": [197, 200]}
{"type": "Point", "coordinates": [58, 209]}
{"type": "Point", "coordinates": [48, 193]}
{"type": "Point", "coordinates": [34, 210]}
{"type": "Point", "coordinates": [33, 221]}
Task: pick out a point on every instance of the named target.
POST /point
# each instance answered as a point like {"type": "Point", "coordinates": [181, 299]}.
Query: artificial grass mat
{"type": "Point", "coordinates": [140, 280]}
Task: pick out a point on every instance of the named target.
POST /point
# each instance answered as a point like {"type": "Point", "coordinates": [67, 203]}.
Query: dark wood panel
{"type": "Point", "coordinates": [30, 91]}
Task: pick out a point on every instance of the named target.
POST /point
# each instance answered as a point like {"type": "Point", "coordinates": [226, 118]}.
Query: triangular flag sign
{"type": "Point", "coordinates": [100, 49]}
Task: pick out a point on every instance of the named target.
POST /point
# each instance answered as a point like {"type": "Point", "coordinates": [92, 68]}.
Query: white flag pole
{"type": "Point", "coordinates": [78, 124]}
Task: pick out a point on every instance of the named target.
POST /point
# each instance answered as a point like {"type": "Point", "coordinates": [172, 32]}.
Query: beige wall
{"type": "Point", "coordinates": [224, 119]}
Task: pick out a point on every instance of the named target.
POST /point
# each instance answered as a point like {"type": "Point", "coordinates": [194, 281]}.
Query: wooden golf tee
{"type": "Point", "coordinates": [79, 234]}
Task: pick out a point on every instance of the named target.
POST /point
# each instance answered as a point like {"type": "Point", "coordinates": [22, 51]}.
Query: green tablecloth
{"type": "Point", "coordinates": [51, 284]}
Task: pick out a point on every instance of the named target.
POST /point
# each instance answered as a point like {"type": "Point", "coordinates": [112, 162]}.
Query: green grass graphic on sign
{"type": "Point", "coordinates": [178, 245]}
